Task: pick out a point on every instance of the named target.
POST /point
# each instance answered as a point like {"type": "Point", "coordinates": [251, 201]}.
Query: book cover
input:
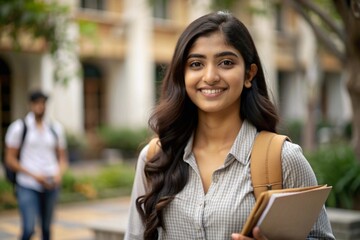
{"type": "Point", "coordinates": [287, 213]}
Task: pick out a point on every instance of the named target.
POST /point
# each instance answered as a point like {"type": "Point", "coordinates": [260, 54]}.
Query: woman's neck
{"type": "Point", "coordinates": [217, 131]}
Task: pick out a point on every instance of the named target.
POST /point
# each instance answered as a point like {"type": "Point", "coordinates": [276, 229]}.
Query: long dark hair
{"type": "Point", "coordinates": [175, 117]}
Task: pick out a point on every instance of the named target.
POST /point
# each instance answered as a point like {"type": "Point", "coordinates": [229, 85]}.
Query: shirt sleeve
{"type": "Point", "coordinates": [297, 172]}
{"type": "Point", "coordinates": [135, 227]}
{"type": "Point", "coordinates": [14, 134]}
{"type": "Point", "coordinates": [59, 130]}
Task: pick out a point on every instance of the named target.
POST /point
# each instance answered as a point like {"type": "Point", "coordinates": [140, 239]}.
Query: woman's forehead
{"type": "Point", "coordinates": [213, 42]}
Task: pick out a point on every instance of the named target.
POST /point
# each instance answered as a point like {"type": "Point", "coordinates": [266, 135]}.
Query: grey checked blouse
{"type": "Point", "coordinates": [229, 200]}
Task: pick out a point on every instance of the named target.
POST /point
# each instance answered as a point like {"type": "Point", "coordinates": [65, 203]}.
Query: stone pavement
{"type": "Point", "coordinates": [73, 221]}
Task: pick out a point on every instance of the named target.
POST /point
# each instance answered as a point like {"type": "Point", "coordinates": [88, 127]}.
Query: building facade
{"type": "Point", "coordinates": [125, 45]}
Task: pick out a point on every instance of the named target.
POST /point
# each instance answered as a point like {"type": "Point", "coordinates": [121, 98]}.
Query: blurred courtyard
{"type": "Point", "coordinates": [109, 83]}
{"type": "Point", "coordinates": [73, 221]}
{"type": "Point", "coordinates": [77, 219]}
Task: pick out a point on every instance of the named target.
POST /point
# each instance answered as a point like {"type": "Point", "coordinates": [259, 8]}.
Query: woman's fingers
{"type": "Point", "coordinates": [258, 235]}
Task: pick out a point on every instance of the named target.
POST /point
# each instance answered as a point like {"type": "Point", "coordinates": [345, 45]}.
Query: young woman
{"type": "Point", "coordinates": [214, 101]}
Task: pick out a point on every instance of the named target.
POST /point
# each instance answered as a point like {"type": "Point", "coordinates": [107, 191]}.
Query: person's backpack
{"type": "Point", "coordinates": [9, 173]}
{"type": "Point", "coordinates": [265, 166]}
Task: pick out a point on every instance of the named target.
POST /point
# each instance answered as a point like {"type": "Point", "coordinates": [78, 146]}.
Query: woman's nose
{"type": "Point", "coordinates": [211, 75]}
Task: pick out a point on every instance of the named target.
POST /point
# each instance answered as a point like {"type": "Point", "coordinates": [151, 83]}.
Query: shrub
{"type": "Point", "coordinates": [336, 165]}
{"type": "Point", "coordinates": [75, 145]}
{"type": "Point", "coordinates": [293, 129]}
{"type": "Point", "coordinates": [117, 178]}
{"type": "Point", "coordinates": [125, 139]}
{"type": "Point", "coordinates": [7, 195]}
{"type": "Point", "coordinates": [68, 182]}
{"type": "Point", "coordinates": [109, 181]}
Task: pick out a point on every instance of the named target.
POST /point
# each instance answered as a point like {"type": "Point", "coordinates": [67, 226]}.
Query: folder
{"type": "Point", "coordinates": [287, 213]}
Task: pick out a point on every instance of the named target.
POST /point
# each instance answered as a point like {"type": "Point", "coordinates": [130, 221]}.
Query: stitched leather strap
{"type": "Point", "coordinates": [265, 165]}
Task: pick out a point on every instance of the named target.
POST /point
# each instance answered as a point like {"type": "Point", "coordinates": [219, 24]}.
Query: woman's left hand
{"type": "Point", "coordinates": [256, 233]}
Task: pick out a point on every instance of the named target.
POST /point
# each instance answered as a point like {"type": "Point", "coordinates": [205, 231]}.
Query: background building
{"type": "Point", "coordinates": [125, 45]}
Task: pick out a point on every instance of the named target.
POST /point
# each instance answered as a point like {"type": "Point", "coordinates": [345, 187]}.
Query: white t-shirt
{"type": "Point", "coordinates": [38, 153]}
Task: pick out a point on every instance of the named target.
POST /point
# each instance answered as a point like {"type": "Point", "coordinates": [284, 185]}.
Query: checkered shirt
{"type": "Point", "coordinates": [223, 210]}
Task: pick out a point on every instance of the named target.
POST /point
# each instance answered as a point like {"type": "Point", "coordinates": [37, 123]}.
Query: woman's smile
{"type": "Point", "coordinates": [212, 92]}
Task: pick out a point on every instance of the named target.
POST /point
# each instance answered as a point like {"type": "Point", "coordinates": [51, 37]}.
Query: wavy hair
{"type": "Point", "coordinates": [175, 117]}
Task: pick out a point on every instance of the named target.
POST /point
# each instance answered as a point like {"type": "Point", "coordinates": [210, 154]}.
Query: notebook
{"type": "Point", "coordinates": [287, 213]}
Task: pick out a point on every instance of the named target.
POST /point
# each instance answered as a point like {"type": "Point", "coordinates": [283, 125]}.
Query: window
{"type": "Point", "coordinates": [93, 96]}
{"type": "Point", "coordinates": [161, 9]}
{"type": "Point", "coordinates": [93, 4]}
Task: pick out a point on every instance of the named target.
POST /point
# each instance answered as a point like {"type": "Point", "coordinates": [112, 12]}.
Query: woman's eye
{"type": "Point", "coordinates": [226, 63]}
{"type": "Point", "coordinates": [195, 64]}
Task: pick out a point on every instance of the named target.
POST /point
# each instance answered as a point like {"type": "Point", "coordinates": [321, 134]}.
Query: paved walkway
{"type": "Point", "coordinates": [72, 221]}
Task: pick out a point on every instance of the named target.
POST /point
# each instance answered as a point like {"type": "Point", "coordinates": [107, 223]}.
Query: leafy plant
{"type": "Point", "coordinates": [108, 181]}
{"type": "Point", "coordinates": [74, 141]}
{"type": "Point", "coordinates": [115, 177]}
{"type": "Point", "coordinates": [7, 195]}
{"type": "Point", "coordinates": [118, 178]}
{"type": "Point", "coordinates": [125, 139]}
{"type": "Point", "coordinates": [68, 181]}
{"type": "Point", "coordinates": [293, 129]}
{"type": "Point", "coordinates": [336, 165]}
{"type": "Point", "coordinates": [46, 20]}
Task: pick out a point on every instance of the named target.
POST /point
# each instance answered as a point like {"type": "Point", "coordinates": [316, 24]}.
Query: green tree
{"type": "Point", "coordinates": [347, 32]}
{"type": "Point", "coordinates": [340, 35]}
{"type": "Point", "coordinates": [45, 20]}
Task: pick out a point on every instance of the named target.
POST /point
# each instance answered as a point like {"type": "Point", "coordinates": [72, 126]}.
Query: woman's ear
{"type": "Point", "coordinates": [250, 75]}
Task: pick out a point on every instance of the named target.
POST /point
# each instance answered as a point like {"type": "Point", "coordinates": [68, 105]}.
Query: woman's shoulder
{"type": "Point", "coordinates": [296, 169]}
{"type": "Point", "coordinates": [292, 153]}
{"type": "Point", "coordinates": [148, 151]}
{"type": "Point", "coordinates": [154, 146]}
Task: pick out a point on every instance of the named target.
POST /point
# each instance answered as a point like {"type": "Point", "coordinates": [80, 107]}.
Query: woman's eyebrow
{"type": "Point", "coordinates": [226, 53]}
{"type": "Point", "coordinates": [195, 55]}
{"type": "Point", "coordinates": [221, 54]}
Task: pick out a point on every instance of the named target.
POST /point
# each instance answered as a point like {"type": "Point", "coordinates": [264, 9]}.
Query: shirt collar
{"type": "Point", "coordinates": [30, 119]}
{"type": "Point", "coordinates": [188, 148]}
{"type": "Point", "coordinates": [241, 147]}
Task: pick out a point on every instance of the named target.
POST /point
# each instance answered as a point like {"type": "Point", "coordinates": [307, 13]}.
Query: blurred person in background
{"type": "Point", "coordinates": [39, 159]}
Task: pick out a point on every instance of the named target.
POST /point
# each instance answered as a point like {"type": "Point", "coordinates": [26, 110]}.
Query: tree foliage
{"type": "Point", "coordinates": [46, 20]}
{"type": "Point", "coordinates": [336, 24]}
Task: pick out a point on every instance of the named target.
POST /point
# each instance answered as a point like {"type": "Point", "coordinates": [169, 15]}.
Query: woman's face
{"type": "Point", "coordinates": [214, 74]}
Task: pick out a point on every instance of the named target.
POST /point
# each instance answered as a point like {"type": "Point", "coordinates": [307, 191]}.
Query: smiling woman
{"type": "Point", "coordinates": [215, 75]}
{"type": "Point", "coordinates": [193, 180]}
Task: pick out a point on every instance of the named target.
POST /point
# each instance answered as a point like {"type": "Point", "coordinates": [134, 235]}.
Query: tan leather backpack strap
{"type": "Point", "coordinates": [265, 165]}
{"type": "Point", "coordinates": [154, 146]}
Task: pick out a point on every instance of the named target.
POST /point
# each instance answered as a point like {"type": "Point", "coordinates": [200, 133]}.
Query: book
{"type": "Point", "coordinates": [287, 213]}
